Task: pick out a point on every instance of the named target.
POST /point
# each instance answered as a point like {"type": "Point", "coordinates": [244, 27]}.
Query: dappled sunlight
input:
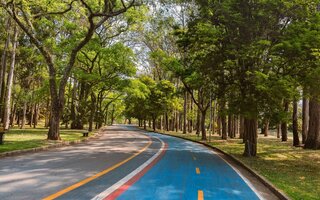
{"type": "Point", "coordinates": [58, 168]}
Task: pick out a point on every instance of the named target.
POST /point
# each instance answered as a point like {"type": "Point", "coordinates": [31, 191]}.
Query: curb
{"type": "Point", "coordinates": [263, 180]}
{"type": "Point", "coordinates": [48, 147]}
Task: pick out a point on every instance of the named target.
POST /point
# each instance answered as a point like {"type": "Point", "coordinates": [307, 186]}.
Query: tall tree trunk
{"type": "Point", "coordinates": [13, 114]}
{"type": "Point", "coordinates": [198, 122]}
{"type": "Point", "coordinates": [223, 120]}
{"type": "Point", "coordinates": [296, 141]}
{"type": "Point", "coordinates": [24, 115]}
{"type": "Point", "coordinates": [36, 115]}
{"type": "Point", "coordinates": [203, 125]}
{"type": "Point", "coordinates": [219, 125]}
{"type": "Point", "coordinates": [210, 119]}
{"type": "Point", "coordinates": [213, 120]}
{"type": "Point", "coordinates": [224, 127]}
{"type": "Point", "coordinates": [47, 115]}
{"type": "Point", "coordinates": [177, 121]}
{"type": "Point", "coordinates": [234, 126]}
{"type": "Point", "coordinates": [230, 126]}
{"type": "Point", "coordinates": [54, 129]}
{"type": "Point", "coordinates": [191, 119]}
{"type": "Point", "coordinates": [313, 139]}
{"type": "Point", "coordinates": [284, 125]}
{"type": "Point", "coordinates": [154, 125]}
{"type": "Point", "coordinates": [184, 131]}
{"type": "Point", "coordinates": [251, 137]}
{"type": "Point", "coordinates": [167, 122]}
{"type": "Point", "coordinates": [4, 66]}
{"type": "Point", "coordinates": [305, 119]}
{"type": "Point", "coordinates": [266, 127]}
{"type": "Point", "coordinates": [241, 128]}
{"type": "Point", "coordinates": [160, 122]}
{"type": "Point", "coordinates": [92, 111]}
{"type": "Point", "coordinates": [31, 115]}
{"type": "Point", "coordinates": [10, 81]}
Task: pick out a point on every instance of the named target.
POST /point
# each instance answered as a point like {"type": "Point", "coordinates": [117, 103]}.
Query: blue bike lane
{"type": "Point", "coordinates": [189, 171]}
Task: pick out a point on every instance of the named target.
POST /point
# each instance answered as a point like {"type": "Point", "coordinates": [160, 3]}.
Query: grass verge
{"type": "Point", "coordinates": [293, 170]}
{"type": "Point", "coordinates": [21, 139]}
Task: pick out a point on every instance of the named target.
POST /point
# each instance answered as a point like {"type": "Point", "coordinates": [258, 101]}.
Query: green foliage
{"type": "Point", "coordinates": [147, 99]}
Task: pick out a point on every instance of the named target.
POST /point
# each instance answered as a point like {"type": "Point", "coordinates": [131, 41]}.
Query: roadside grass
{"type": "Point", "coordinates": [293, 170]}
{"type": "Point", "coordinates": [20, 139]}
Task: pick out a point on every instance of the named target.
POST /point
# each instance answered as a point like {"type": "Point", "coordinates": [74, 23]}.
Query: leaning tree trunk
{"type": "Point", "coordinates": [305, 119]}
{"type": "Point", "coordinates": [4, 64]}
{"type": "Point", "coordinates": [296, 141]}
{"type": "Point", "coordinates": [10, 81]}
{"type": "Point", "coordinates": [250, 129]}
{"type": "Point", "coordinates": [313, 139]}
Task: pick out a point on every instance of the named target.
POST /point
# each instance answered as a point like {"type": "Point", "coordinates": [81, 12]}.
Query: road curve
{"type": "Point", "coordinates": [43, 174]}
{"type": "Point", "coordinates": [190, 171]}
{"type": "Point", "coordinates": [125, 164]}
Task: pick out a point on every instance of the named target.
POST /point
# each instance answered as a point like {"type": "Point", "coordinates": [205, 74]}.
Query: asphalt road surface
{"type": "Point", "coordinates": [128, 164]}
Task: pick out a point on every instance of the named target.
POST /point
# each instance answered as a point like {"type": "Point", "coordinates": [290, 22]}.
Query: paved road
{"type": "Point", "coordinates": [189, 171]}
{"type": "Point", "coordinates": [124, 164]}
{"type": "Point", "coordinates": [38, 175]}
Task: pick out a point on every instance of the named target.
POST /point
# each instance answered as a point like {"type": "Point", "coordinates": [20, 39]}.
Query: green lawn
{"type": "Point", "coordinates": [19, 139]}
{"type": "Point", "coordinates": [293, 170]}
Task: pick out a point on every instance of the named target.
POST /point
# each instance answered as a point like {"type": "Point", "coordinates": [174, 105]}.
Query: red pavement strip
{"type": "Point", "coordinates": [134, 179]}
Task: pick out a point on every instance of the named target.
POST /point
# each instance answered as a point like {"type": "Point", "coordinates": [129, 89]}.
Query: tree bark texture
{"type": "Point", "coordinates": [203, 125]}
{"type": "Point", "coordinates": [251, 137]}
{"type": "Point", "coordinates": [284, 125]}
{"type": "Point", "coordinates": [296, 141]}
{"type": "Point", "coordinates": [184, 131]}
{"type": "Point", "coordinates": [305, 119]}
{"type": "Point", "coordinates": [10, 81]}
{"type": "Point", "coordinates": [313, 139]}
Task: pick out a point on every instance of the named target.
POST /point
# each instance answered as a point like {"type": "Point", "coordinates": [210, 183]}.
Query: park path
{"type": "Point", "coordinates": [38, 175]}
{"type": "Point", "coordinates": [126, 163]}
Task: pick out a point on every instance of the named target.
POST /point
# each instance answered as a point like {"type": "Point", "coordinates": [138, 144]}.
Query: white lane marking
{"type": "Point", "coordinates": [243, 178]}
{"type": "Point", "coordinates": [121, 182]}
{"type": "Point", "coordinates": [235, 169]}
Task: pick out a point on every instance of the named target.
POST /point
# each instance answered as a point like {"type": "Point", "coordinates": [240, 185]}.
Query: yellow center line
{"type": "Point", "coordinates": [87, 180]}
{"type": "Point", "coordinates": [200, 195]}
{"type": "Point", "coordinates": [194, 158]}
{"type": "Point", "coordinates": [197, 170]}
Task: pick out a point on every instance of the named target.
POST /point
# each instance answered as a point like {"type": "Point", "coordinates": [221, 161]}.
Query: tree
{"type": "Point", "coordinates": [40, 21]}
{"type": "Point", "coordinates": [7, 104]}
